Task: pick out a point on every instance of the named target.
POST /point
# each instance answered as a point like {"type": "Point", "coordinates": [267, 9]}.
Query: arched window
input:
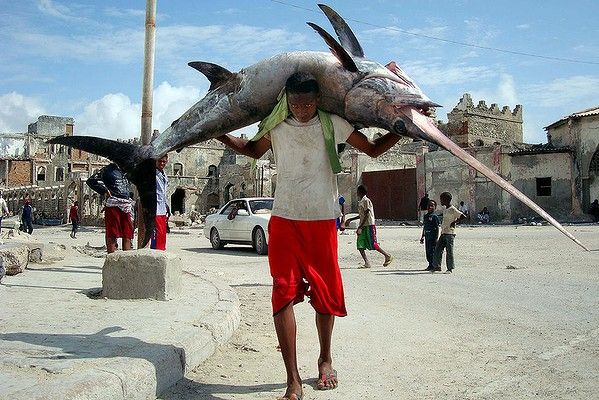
{"type": "Point", "coordinates": [594, 167]}
{"type": "Point", "coordinates": [41, 174]}
{"type": "Point", "coordinates": [212, 171]}
{"type": "Point", "coordinates": [59, 174]}
{"type": "Point", "coordinates": [178, 169]}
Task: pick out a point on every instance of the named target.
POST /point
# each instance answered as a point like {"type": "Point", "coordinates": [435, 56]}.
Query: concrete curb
{"type": "Point", "coordinates": [136, 376]}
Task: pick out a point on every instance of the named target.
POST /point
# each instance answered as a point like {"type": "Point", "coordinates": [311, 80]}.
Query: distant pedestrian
{"type": "Point", "coordinates": [430, 233]}
{"type": "Point", "coordinates": [463, 208]}
{"type": "Point", "coordinates": [594, 210]}
{"type": "Point", "coordinates": [341, 219]}
{"type": "Point", "coordinates": [423, 207]}
{"type": "Point", "coordinates": [158, 241]}
{"type": "Point", "coordinates": [366, 229]}
{"type": "Point", "coordinates": [446, 241]}
{"type": "Point", "coordinates": [74, 218]}
{"type": "Point", "coordinates": [27, 217]}
{"type": "Point", "coordinates": [112, 183]}
{"type": "Point", "coordinates": [484, 217]}
{"type": "Point", "coordinates": [3, 210]}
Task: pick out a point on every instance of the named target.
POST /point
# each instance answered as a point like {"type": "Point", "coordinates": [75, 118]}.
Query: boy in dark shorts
{"type": "Point", "coordinates": [430, 233]}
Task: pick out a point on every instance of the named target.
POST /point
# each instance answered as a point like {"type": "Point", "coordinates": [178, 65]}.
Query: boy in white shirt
{"type": "Point", "coordinates": [451, 215]}
{"type": "Point", "coordinates": [366, 230]}
{"type": "Point", "coordinates": [302, 230]}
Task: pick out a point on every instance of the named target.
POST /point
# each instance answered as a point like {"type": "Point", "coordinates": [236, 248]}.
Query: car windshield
{"type": "Point", "coordinates": [261, 206]}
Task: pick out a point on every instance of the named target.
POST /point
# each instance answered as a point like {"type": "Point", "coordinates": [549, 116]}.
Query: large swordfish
{"type": "Point", "coordinates": [364, 92]}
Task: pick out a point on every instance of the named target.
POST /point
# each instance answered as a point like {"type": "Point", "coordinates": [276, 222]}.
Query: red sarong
{"type": "Point", "coordinates": [118, 223]}
{"type": "Point", "coordinates": [303, 261]}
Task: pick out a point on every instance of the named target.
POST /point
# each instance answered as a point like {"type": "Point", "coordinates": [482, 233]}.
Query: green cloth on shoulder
{"type": "Point", "coordinates": [281, 111]}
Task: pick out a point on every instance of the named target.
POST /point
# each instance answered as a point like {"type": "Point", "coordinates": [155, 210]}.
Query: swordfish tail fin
{"type": "Point", "coordinates": [137, 161]}
{"type": "Point", "coordinates": [432, 134]}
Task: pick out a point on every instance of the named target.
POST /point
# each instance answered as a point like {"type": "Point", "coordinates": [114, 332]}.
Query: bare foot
{"type": "Point", "coordinates": [327, 376]}
{"type": "Point", "coordinates": [294, 392]}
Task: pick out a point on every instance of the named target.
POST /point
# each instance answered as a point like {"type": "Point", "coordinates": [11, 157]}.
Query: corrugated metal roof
{"type": "Point", "coordinates": [580, 114]}
{"type": "Point", "coordinates": [542, 148]}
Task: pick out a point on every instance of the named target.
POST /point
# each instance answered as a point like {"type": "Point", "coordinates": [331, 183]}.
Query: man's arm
{"type": "Point", "coordinates": [246, 147]}
{"type": "Point", "coordinates": [96, 184]}
{"type": "Point", "coordinates": [373, 148]}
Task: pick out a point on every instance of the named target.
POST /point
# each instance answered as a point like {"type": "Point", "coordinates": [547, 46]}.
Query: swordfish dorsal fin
{"type": "Point", "coordinates": [216, 74]}
{"type": "Point", "coordinates": [337, 50]}
{"type": "Point", "coordinates": [344, 33]}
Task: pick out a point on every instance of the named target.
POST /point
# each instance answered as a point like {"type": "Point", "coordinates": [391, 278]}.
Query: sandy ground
{"type": "Point", "coordinates": [518, 319]}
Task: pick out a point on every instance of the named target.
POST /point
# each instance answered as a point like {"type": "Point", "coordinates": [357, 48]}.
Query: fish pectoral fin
{"type": "Point", "coordinates": [216, 74]}
{"type": "Point", "coordinates": [338, 51]}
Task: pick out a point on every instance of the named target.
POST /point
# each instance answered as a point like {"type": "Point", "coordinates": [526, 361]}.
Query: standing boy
{"type": "Point", "coordinates": [366, 230]}
{"type": "Point", "coordinates": [27, 216]}
{"type": "Point", "coordinates": [450, 216]}
{"type": "Point", "coordinates": [3, 210]}
{"type": "Point", "coordinates": [74, 219]}
{"type": "Point", "coordinates": [303, 238]}
{"type": "Point", "coordinates": [158, 241]}
{"type": "Point", "coordinates": [422, 207]}
{"type": "Point", "coordinates": [430, 233]}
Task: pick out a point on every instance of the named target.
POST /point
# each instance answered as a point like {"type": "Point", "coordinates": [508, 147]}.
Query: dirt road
{"type": "Point", "coordinates": [518, 319]}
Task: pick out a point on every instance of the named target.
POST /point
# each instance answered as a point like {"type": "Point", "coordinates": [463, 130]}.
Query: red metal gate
{"type": "Point", "coordinates": [393, 193]}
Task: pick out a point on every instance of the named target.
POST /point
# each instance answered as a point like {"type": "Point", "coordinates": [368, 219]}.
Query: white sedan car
{"type": "Point", "coordinates": [240, 221]}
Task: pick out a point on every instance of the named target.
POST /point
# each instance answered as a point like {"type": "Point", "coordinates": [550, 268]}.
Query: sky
{"type": "Point", "coordinates": [84, 59]}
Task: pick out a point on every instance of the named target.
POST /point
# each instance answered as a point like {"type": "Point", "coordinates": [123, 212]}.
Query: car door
{"type": "Point", "coordinates": [243, 223]}
{"type": "Point", "coordinates": [224, 225]}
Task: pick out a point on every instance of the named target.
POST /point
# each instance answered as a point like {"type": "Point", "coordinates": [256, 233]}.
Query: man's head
{"type": "Point", "coordinates": [161, 162]}
{"type": "Point", "coordinates": [76, 203]}
{"type": "Point", "coordinates": [461, 203]}
{"type": "Point", "coordinates": [445, 199]}
{"type": "Point", "coordinates": [302, 96]}
{"type": "Point", "coordinates": [432, 205]}
{"type": "Point", "coordinates": [362, 190]}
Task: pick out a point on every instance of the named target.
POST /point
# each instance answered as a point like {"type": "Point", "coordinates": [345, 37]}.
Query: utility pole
{"type": "Point", "coordinates": [148, 78]}
{"type": "Point", "coordinates": [147, 96]}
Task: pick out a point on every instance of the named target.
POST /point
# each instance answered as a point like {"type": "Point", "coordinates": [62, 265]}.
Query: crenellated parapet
{"type": "Point", "coordinates": [483, 125]}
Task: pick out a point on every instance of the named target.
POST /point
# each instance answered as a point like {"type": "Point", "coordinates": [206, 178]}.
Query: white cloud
{"type": "Point", "coordinates": [18, 111]}
{"type": "Point", "coordinates": [565, 92]}
{"type": "Point", "coordinates": [120, 47]}
{"type": "Point", "coordinates": [503, 94]}
{"type": "Point", "coordinates": [431, 74]}
{"type": "Point", "coordinates": [171, 102]}
{"type": "Point", "coordinates": [523, 26]}
{"type": "Point", "coordinates": [124, 13]}
{"type": "Point", "coordinates": [114, 116]}
{"type": "Point", "coordinates": [174, 44]}
{"type": "Point", "coordinates": [51, 8]}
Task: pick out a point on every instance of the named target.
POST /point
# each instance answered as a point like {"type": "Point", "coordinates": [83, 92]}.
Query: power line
{"type": "Point", "coordinates": [456, 42]}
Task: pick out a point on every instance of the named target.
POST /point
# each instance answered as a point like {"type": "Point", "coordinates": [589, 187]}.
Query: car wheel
{"type": "Point", "coordinates": [215, 241]}
{"type": "Point", "coordinates": [259, 241]}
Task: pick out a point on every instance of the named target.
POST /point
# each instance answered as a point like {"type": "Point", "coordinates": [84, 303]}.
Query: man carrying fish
{"type": "Point", "coordinates": [303, 238]}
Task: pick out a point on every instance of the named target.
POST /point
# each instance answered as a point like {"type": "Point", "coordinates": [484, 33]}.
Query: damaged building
{"type": "Point", "coordinates": [562, 175]}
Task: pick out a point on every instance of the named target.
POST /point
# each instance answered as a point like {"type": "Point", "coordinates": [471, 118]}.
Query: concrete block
{"type": "Point", "coordinates": [141, 274]}
{"type": "Point", "coordinates": [15, 257]}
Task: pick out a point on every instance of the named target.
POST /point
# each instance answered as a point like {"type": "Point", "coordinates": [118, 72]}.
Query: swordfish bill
{"type": "Point", "coordinates": [363, 91]}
